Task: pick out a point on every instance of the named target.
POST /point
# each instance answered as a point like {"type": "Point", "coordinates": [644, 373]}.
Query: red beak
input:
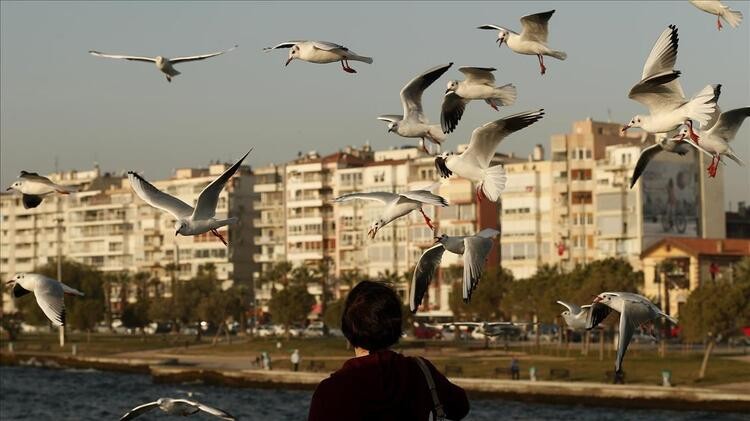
{"type": "Point", "coordinates": [597, 299]}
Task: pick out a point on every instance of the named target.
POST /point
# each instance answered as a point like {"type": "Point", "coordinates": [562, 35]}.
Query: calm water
{"type": "Point", "coordinates": [45, 394]}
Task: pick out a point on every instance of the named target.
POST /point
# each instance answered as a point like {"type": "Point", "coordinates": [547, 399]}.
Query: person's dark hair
{"type": "Point", "coordinates": [372, 316]}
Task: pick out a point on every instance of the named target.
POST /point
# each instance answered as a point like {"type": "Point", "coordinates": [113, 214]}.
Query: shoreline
{"type": "Point", "coordinates": [169, 370]}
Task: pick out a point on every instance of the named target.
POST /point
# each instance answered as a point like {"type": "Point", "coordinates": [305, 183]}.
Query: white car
{"type": "Point", "coordinates": [314, 331]}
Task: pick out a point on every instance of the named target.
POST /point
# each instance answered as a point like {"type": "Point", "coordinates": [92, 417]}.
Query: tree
{"type": "Point", "coordinates": [334, 311]}
{"type": "Point", "coordinates": [717, 309]}
{"type": "Point", "coordinates": [486, 299]}
{"type": "Point", "coordinates": [135, 315]}
{"type": "Point", "coordinates": [85, 315]}
{"type": "Point", "coordinates": [291, 305]}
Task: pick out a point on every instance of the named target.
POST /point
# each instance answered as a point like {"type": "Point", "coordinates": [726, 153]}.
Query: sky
{"type": "Point", "coordinates": [61, 106]}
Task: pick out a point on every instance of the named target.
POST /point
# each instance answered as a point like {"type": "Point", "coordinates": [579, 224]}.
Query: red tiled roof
{"type": "Point", "coordinates": [705, 246]}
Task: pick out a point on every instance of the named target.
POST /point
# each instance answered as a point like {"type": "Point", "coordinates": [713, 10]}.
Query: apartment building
{"type": "Point", "coordinates": [104, 224]}
{"type": "Point", "coordinates": [578, 205]}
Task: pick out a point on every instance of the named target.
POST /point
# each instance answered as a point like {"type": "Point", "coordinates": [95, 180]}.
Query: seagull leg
{"type": "Point", "coordinates": [541, 63]}
{"type": "Point", "coordinates": [480, 194]}
{"type": "Point", "coordinates": [424, 146]}
{"type": "Point", "coordinates": [492, 104]}
{"type": "Point", "coordinates": [345, 66]}
{"type": "Point", "coordinates": [718, 23]}
{"type": "Point", "coordinates": [216, 233]}
{"type": "Point", "coordinates": [169, 79]}
{"type": "Point", "coordinates": [692, 134]}
{"type": "Point", "coordinates": [427, 219]}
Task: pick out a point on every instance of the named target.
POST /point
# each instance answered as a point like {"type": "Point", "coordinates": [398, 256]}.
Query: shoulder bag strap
{"type": "Point", "coordinates": [437, 411]}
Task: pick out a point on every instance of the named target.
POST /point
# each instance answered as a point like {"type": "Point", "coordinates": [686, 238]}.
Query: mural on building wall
{"type": "Point", "coordinates": [671, 205]}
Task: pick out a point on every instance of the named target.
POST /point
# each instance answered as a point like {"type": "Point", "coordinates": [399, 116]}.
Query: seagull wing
{"type": "Point", "coordinates": [70, 290]}
{"type": "Point", "coordinates": [479, 75]}
{"type": "Point", "coordinates": [535, 27]}
{"type": "Point", "coordinates": [627, 328]}
{"type": "Point", "coordinates": [411, 94]}
{"type": "Point", "coordinates": [492, 27]}
{"type": "Point", "coordinates": [32, 176]}
{"type": "Point", "coordinates": [729, 123]}
{"type": "Point", "coordinates": [574, 309]}
{"type": "Point", "coordinates": [328, 46]}
{"type": "Point", "coordinates": [382, 197]}
{"type": "Point", "coordinates": [423, 274]}
{"type": "Point", "coordinates": [597, 313]}
{"type": "Point", "coordinates": [117, 56]}
{"type": "Point", "coordinates": [451, 111]}
{"type": "Point", "coordinates": [208, 199]}
{"type": "Point", "coordinates": [476, 250]}
{"type": "Point", "coordinates": [208, 409]}
{"type": "Point", "coordinates": [157, 198]}
{"type": "Point", "coordinates": [288, 44]}
{"type": "Point", "coordinates": [425, 196]}
{"type": "Point", "coordinates": [659, 87]}
{"type": "Point", "coordinates": [485, 139]}
{"type": "Point", "coordinates": [391, 118]}
{"type": "Point", "coordinates": [138, 410]}
{"type": "Point", "coordinates": [643, 159]}
{"type": "Point", "coordinates": [200, 57]}
{"type": "Point", "coordinates": [488, 233]}
{"type": "Point", "coordinates": [49, 295]}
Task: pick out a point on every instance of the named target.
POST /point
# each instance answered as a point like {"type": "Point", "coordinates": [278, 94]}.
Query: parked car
{"type": "Point", "coordinates": [263, 331]}
{"type": "Point", "coordinates": [189, 330]}
{"type": "Point", "coordinates": [314, 331]}
{"type": "Point", "coordinates": [336, 333]}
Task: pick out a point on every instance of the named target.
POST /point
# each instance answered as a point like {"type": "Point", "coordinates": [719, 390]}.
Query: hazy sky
{"type": "Point", "coordinates": [58, 101]}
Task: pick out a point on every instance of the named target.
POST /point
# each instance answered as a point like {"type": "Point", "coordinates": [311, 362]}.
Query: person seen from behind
{"type": "Point", "coordinates": [379, 384]}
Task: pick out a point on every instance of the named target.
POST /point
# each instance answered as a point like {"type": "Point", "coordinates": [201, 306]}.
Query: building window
{"type": "Point", "coordinates": [581, 198]}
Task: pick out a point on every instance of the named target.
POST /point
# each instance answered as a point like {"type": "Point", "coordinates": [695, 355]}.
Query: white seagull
{"type": "Point", "coordinates": [668, 143]}
{"type": "Point", "coordinates": [397, 205]}
{"type": "Point", "coordinates": [715, 7]}
{"type": "Point", "coordinates": [321, 52]}
{"type": "Point", "coordinates": [413, 122]}
{"type": "Point", "coordinates": [479, 84]}
{"type": "Point", "coordinates": [49, 294]}
{"type": "Point", "coordinates": [182, 407]}
{"type": "Point", "coordinates": [661, 92]}
{"type": "Point", "coordinates": [635, 310]}
{"type": "Point", "coordinates": [164, 64]}
{"type": "Point", "coordinates": [532, 40]}
{"type": "Point", "coordinates": [715, 140]}
{"type": "Point", "coordinates": [34, 187]}
{"type": "Point", "coordinates": [474, 248]}
{"type": "Point", "coordinates": [474, 162]}
{"type": "Point", "coordinates": [575, 316]}
{"type": "Point", "coordinates": [189, 221]}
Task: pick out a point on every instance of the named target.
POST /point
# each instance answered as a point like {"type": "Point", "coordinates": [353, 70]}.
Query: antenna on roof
{"type": "Point", "coordinates": [609, 115]}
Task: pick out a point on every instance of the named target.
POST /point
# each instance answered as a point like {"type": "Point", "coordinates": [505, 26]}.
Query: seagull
{"type": "Point", "coordinates": [715, 140]}
{"type": "Point", "coordinates": [474, 162]}
{"type": "Point", "coordinates": [35, 187]}
{"type": "Point", "coordinates": [49, 294]}
{"type": "Point", "coordinates": [181, 407]}
{"type": "Point", "coordinates": [635, 310]}
{"type": "Point", "coordinates": [189, 221]}
{"type": "Point", "coordinates": [575, 317]}
{"type": "Point", "coordinates": [474, 248]}
{"type": "Point", "coordinates": [479, 84]}
{"type": "Point", "coordinates": [165, 65]}
{"type": "Point", "coordinates": [714, 7]}
{"type": "Point", "coordinates": [397, 205]}
{"type": "Point", "coordinates": [321, 52]}
{"type": "Point", "coordinates": [413, 122]}
{"type": "Point", "coordinates": [661, 92]}
{"type": "Point", "coordinates": [532, 40]}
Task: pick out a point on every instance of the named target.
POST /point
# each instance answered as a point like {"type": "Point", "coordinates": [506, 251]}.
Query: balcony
{"type": "Point", "coordinates": [267, 240]}
{"type": "Point", "coordinates": [267, 223]}
{"type": "Point", "coordinates": [267, 204]}
{"type": "Point", "coordinates": [267, 258]}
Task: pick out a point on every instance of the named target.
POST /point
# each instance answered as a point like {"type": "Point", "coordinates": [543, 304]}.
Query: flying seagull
{"type": "Point", "coordinates": [575, 316]}
{"type": "Point", "coordinates": [661, 92]}
{"type": "Point", "coordinates": [35, 187]}
{"type": "Point", "coordinates": [164, 64]}
{"type": "Point", "coordinates": [49, 294]}
{"type": "Point", "coordinates": [715, 7]}
{"type": "Point", "coordinates": [474, 162]}
{"type": "Point", "coordinates": [321, 52]}
{"type": "Point", "coordinates": [479, 84]}
{"type": "Point", "coordinates": [670, 142]}
{"type": "Point", "coordinates": [181, 407]}
{"type": "Point", "coordinates": [715, 140]}
{"type": "Point", "coordinates": [413, 122]}
{"type": "Point", "coordinates": [532, 40]}
{"type": "Point", "coordinates": [635, 310]}
{"type": "Point", "coordinates": [189, 221]}
{"type": "Point", "coordinates": [397, 205]}
{"type": "Point", "coordinates": [474, 248]}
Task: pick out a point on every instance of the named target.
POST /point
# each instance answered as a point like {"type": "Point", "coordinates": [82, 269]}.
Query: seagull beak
{"type": "Point", "coordinates": [289, 60]}
{"type": "Point", "coordinates": [624, 128]}
{"type": "Point", "coordinates": [9, 189]}
{"type": "Point", "coordinates": [447, 90]}
{"type": "Point", "coordinates": [176, 232]}
{"type": "Point", "coordinates": [371, 233]}
{"type": "Point", "coordinates": [597, 299]}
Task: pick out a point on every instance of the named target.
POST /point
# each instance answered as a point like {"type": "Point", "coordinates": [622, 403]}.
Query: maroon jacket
{"type": "Point", "coordinates": [384, 386]}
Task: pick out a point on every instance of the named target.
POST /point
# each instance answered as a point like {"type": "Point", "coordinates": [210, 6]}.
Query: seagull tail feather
{"type": "Point", "coordinates": [703, 104]}
{"type": "Point", "coordinates": [560, 55]}
{"type": "Point", "coordinates": [494, 182]}
{"type": "Point", "coordinates": [732, 17]}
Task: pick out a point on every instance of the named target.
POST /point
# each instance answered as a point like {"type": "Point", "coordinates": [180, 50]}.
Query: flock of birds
{"type": "Point", "coordinates": [670, 119]}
